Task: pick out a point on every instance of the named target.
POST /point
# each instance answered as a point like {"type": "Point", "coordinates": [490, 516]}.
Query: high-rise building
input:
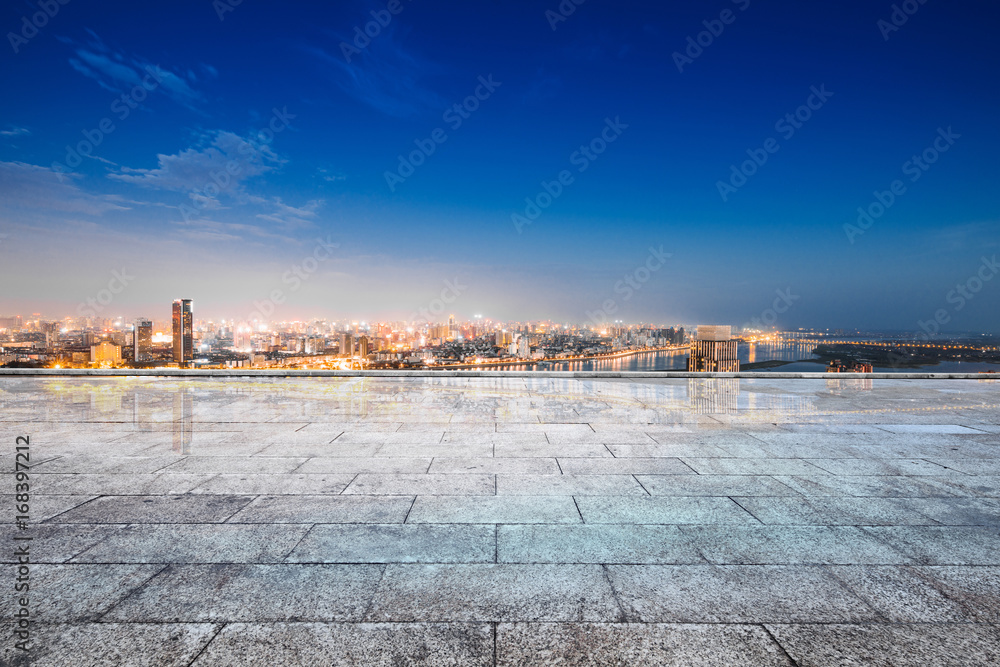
{"type": "Point", "coordinates": [183, 331]}
{"type": "Point", "coordinates": [714, 351]}
{"type": "Point", "coordinates": [142, 340]}
{"type": "Point", "coordinates": [346, 345]}
{"type": "Point", "coordinates": [363, 346]}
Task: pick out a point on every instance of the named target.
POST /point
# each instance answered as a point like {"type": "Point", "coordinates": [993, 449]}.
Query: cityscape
{"type": "Point", "coordinates": [184, 341]}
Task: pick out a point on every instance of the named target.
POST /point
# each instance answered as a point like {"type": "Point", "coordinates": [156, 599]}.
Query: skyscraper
{"type": "Point", "coordinates": [714, 351]}
{"type": "Point", "coordinates": [142, 339]}
{"type": "Point", "coordinates": [183, 331]}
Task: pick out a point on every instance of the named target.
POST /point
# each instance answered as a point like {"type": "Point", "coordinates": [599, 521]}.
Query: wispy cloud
{"type": "Point", "coordinates": [37, 189]}
{"type": "Point", "coordinates": [291, 216]}
{"type": "Point", "coordinates": [15, 131]}
{"type": "Point", "coordinates": [384, 76]}
{"type": "Point", "coordinates": [118, 72]}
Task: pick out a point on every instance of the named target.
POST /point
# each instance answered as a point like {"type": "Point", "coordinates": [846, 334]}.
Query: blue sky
{"type": "Point", "coordinates": [309, 123]}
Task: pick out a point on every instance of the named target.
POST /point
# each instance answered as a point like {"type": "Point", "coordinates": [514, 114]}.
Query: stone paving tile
{"type": "Point", "coordinates": [155, 509]}
{"type": "Point", "coordinates": [494, 509]}
{"type": "Point", "coordinates": [942, 545]}
{"type": "Point", "coordinates": [107, 464]}
{"type": "Point", "coordinates": [972, 466]}
{"type": "Point", "coordinates": [767, 545]}
{"type": "Point", "coordinates": [103, 644]}
{"type": "Point", "coordinates": [976, 589]}
{"type": "Point", "coordinates": [393, 543]}
{"type": "Point", "coordinates": [436, 593]}
{"type": "Point", "coordinates": [928, 428]}
{"type": "Point", "coordinates": [353, 466]}
{"type": "Point", "coordinates": [424, 484]}
{"type": "Point", "coordinates": [663, 510]}
{"type": "Point", "coordinates": [982, 486]}
{"type": "Point", "coordinates": [490, 466]}
{"type": "Point", "coordinates": [869, 486]}
{"type": "Point", "coordinates": [475, 438]}
{"type": "Point", "coordinates": [713, 485]}
{"type": "Point", "coordinates": [568, 485]}
{"type": "Point", "coordinates": [78, 592]}
{"type": "Point", "coordinates": [296, 509]}
{"type": "Point", "coordinates": [595, 544]}
{"type": "Point", "coordinates": [901, 594]}
{"type": "Point", "coordinates": [959, 511]}
{"type": "Point", "coordinates": [319, 450]}
{"type": "Point", "coordinates": [195, 543]}
{"type": "Point", "coordinates": [89, 484]}
{"type": "Point", "coordinates": [666, 450]}
{"type": "Point", "coordinates": [42, 507]}
{"type": "Point", "coordinates": [251, 594]}
{"type": "Point", "coordinates": [735, 594]}
{"type": "Point", "coordinates": [593, 644]}
{"type": "Point", "coordinates": [283, 484]}
{"type": "Point", "coordinates": [836, 511]}
{"type": "Point", "coordinates": [624, 466]}
{"type": "Point", "coordinates": [52, 543]}
{"type": "Point", "coordinates": [734, 466]}
{"type": "Point", "coordinates": [545, 450]}
{"type": "Point", "coordinates": [352, 644]}
{"type": "Point", "coordinates": [462, 450]}
{"type": "Point", "coordinates": [236, 464]}
{"type": "Point", "coordinates": [876, 467]}
{"type": "Point", "coordinates": [898, 645]}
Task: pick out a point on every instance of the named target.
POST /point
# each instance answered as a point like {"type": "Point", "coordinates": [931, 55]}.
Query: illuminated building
{"type": "Point", "coordinates": [105, 352]}
{"type": "Point", "coordinates": [346, 345]}
{"type": "Point", "coordinates": [363, 346]}
{"type": "Point", "coordinates": [183, 331]}
{"type": "Point", "coordinates": [714, 351]}
{"type": "Point", "coordinates": [142, 340]}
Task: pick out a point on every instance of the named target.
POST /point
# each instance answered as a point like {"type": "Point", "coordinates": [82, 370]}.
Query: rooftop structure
{"type": "Point", "coordinates": [507, 520]}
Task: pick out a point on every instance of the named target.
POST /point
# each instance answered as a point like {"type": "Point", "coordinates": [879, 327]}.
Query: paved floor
{"type": "Point", "coordinates": [505, 521]}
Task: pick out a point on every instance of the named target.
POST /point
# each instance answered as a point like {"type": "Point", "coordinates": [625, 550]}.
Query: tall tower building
{"type": "Point", "coordinates": [714, 351]}
{"type": "Point", "coordinates": [183, 332]}
{"type": "Point", "coordinates": [142, 339]}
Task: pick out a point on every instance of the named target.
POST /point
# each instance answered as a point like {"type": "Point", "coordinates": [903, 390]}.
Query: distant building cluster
{"type": "Point", "coordinates": [182, 341]}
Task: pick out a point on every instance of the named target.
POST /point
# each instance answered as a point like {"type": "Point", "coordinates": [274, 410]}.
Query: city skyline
{"type": "Point", "coordinates": [654, 159]}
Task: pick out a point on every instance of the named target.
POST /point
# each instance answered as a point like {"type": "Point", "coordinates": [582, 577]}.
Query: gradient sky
{"type": "Point", "coordinates": [143, 202]}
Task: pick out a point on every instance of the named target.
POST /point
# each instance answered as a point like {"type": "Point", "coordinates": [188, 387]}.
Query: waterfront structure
{"type": "Point", "coordinates": [183, 330]}
{"type": "Point", "coordinates": [714, 351]}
